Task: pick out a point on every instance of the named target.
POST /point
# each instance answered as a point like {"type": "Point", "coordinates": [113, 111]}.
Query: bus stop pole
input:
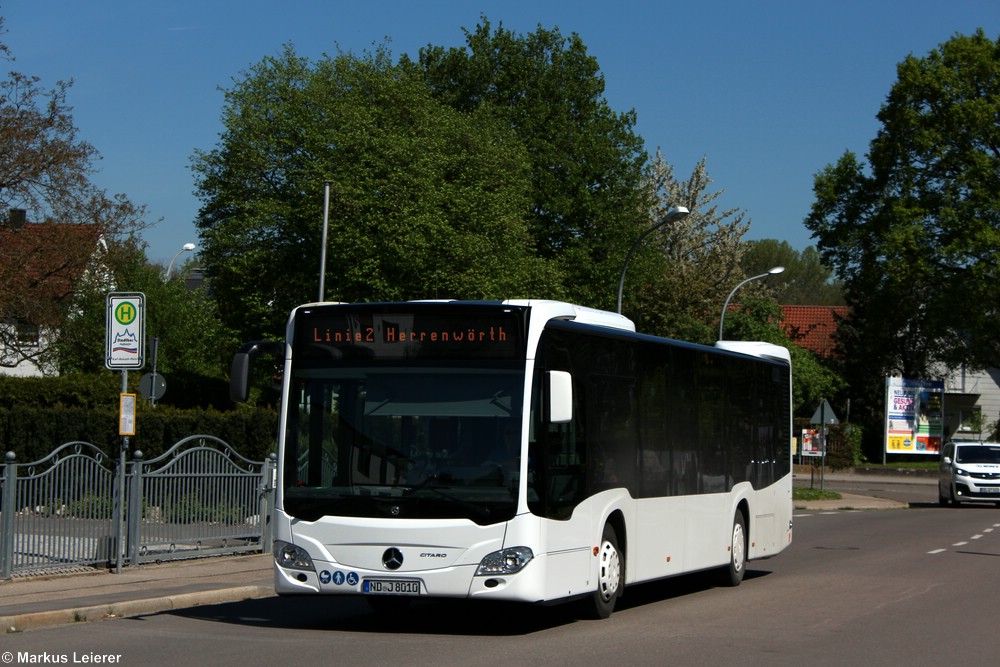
{"type": "Point", "coordinates": [120, 514]}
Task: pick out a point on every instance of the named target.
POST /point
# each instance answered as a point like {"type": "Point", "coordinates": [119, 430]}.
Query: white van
{"type": "Point", "coordinates": [969, 472]}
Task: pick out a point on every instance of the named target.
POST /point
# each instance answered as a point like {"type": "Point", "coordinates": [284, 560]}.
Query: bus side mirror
{"type": "Point", "coordinates": [560, 397]}
{"type": "Point", "coordinates": [239, 375]}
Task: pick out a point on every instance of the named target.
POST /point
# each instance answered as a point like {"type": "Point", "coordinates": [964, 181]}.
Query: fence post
{"type": "Point", "coordinates": [7, 509]}
{"type": "Point", "coordinates": [135, 508]}
{"type": "Point", "coordinates": [268, 489]}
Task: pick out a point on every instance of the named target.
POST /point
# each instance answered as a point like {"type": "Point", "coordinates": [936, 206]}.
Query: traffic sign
{"type": "Point", "coordinates": [126, 331]}
{"type": "Point", "coordinates": [824, 414]}
{"type": "Point", "coordinates": [152, 386]}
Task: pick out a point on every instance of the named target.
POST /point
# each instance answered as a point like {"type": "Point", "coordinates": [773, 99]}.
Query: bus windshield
{"type": "Point", "coordinates": [403, 440]}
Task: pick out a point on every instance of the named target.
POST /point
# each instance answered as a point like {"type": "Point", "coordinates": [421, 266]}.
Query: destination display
{"type": "Point", "coordinates": [420, 332]}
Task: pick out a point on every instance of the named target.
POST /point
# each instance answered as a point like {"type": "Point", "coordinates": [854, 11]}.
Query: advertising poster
{"type": "Point", "coordinates": [914, 418]}
{"type": "Point", "coordinates": [811, 445]}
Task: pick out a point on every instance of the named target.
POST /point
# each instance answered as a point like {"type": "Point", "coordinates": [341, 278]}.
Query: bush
{"type": "Point", "coordinates": [39, 414]}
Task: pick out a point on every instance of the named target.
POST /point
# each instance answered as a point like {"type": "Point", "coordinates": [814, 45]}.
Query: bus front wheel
{"type": "Point", "coordinates": [610, 577]}
{"type": "Point", "coordinates": [732, 574]}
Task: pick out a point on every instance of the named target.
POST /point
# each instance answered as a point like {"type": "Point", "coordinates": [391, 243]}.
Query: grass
{"type": "Point", "coordinates": [806, 493]}
{"type": "Point", "coordinates": [904, 465]}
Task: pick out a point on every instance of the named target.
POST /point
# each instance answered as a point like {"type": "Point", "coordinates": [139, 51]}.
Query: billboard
{"type": "Point", "coordinates": [914, 416]}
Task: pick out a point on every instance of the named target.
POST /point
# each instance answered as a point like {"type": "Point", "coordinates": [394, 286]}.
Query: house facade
{"type": "Point", "coordinates": [41, 265]}
{"type": "Point", "coordinates": [971, 398]}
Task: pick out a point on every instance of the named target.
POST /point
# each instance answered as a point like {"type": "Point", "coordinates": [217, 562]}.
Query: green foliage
{"type": "Point", "coordinates": [426, 201]}
{"type": "Point", "coordinates": [806, 281]}
{"type": "Point", "coordinates": [39, 413]}
{"type": "Point", "coordinates": [679, 276]}
{"type": "Point", "coordinates": [803, 493]}
{"type": "Point", "coordinates": [843, 447]}
{"type": "Point", "coordinates": [191, 337]}
{"type": "Point", "coordinates": [91, 506]}
{"type": "Point", "coordinates": [812, 379]}
{"type": "Point", "coordinates": [586, 197]}
{"type": "Point", "coordinates": [914, 234]}
{"type": "Point", "coordinates": [75, 391]}
{"type": "Point", "coordinates": [191, 508]}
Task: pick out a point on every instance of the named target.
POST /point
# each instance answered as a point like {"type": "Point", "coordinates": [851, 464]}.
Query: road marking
{"type": "Point", "coordinates": [975, 537]}
{"type": "Point", "coordinates": [959, 544]}
{"type": "Point", "coordinates": [937, 551]}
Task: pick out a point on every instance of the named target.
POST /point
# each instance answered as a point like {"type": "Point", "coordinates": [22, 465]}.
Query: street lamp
{"type": "Point", "coordinates": [187, 247]}
{"type": "Point", "coordinates": [673, 215]}
{"type": "Point", "coordinates": [771, 272]}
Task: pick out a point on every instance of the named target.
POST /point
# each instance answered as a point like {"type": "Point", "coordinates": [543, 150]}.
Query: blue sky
{"type": "Point", "coordinates": [769, 92]}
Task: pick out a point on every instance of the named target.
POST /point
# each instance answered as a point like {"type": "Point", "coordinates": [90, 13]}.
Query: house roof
{"type": "Point", "coordinates": [812, 327]}
{"type": "Point", "coordinates": [44, 260]}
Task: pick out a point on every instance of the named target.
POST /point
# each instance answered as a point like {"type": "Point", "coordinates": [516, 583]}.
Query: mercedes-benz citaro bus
{"type": "Point", "coordinates": [519, 450]}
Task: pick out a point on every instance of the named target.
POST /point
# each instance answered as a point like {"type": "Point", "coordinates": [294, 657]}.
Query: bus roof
{"type": "Point", "coordinates": [546, 309]}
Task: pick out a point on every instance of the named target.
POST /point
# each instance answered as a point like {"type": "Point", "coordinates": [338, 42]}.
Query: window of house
{"type": "Point", "coordinates": [27, 334]}
{"type": "Point", "coordinates": [970, 420]}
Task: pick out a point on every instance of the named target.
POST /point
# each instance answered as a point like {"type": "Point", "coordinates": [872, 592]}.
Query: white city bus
{"type": "Point", "coordinates": [519, 450]}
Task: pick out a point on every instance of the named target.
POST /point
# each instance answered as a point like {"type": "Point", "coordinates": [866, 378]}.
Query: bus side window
{"type": "Point", "coordinates": [564, 471]}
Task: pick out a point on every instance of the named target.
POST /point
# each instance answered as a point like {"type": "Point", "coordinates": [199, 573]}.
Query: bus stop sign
{"type": "Point", "coordinates": [126, 339]}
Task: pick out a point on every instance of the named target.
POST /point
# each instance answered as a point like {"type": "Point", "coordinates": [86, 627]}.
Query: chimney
{"type": "Point", "coordinates": [17, 218]}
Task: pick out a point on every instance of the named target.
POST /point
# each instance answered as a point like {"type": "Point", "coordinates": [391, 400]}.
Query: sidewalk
{"type": "Point", "coordinates": [847, 501]}
{"type": "Point", "coordinates": [35, 602]}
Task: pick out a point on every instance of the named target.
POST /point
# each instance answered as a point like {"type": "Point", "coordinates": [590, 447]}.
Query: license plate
{"type": "Point", "coordinates": [989, 489]}
{"type": "Point", "coordinates": [391, 587]}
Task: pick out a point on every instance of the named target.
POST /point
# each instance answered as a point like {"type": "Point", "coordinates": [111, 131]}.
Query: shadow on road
{"type": "Point", "coordinates": [436, 616]}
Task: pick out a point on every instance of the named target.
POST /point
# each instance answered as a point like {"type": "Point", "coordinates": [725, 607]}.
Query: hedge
{"type": "Point", "coordinates": [32, 433]}
{"type": "Point", "coordinates": [39, 414]}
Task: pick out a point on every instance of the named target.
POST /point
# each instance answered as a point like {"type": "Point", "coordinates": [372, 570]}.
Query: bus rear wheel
{"type": "Point", "coordinates": [610, 576]}
{"type": "Point", "coordinates": [732, 574]}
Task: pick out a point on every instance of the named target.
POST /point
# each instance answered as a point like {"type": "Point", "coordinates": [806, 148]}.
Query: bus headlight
{"type": "Point", "coordinates": [506, 561]}
{"type": "Point", "coordinates": [292, 557]}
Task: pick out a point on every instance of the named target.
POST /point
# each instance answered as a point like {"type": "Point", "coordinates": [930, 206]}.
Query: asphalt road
{"type": "Point", "coordinates": [913, 586]}
{"type": "Point", "coordinates": [920, 492]}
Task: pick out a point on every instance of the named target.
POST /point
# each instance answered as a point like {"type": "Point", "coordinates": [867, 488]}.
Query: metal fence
{"type": "Point", "coordinates": [200, 498]}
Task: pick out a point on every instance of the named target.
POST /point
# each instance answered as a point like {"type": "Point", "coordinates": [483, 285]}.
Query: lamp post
{"type": "Point", "coordinates": [187, 247]}
{"type": "Point", "coordinates": [771, 272]}
{"type": "Point", "coordinates": [673, 215]}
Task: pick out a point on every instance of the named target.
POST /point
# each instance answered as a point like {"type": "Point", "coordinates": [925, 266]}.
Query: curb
{"type": "Point", "coordinates": [42, 619]}
{"type": "Point", "coordinates": [849, 502]}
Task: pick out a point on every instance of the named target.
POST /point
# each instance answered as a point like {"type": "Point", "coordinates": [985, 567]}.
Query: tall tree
{"type": "Point", "coordinates": [806, 281]}
{"type": "Point", "coordinates": [187, 325]}
{"type": "Point", "coordinates": [914, 233]}
{"type": "Point", "coordinates": [679, 279]}
{"type": "Point", "coordinates": [587, 202]}
{"type": "Point", "coordinates": [45, 172]}
{"type": "Point", "coordinates": [426, 201]}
